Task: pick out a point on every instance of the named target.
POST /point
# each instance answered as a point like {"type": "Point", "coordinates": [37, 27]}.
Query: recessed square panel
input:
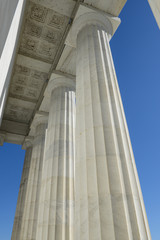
{"type": "Point", "coordinates": [22, 70]}
{"type": "Point", "coordinates": [20, 79]}
{"type": "Point", "coordinates": [29, 43]}
{"type": "Point", "coordinates": [46, 50]}
{"type": "Point", "coordinates": [33, 28]}
{"type": "Point", "coordinates": [39, 75]}
{"type": "Point", "coordinates": [31, 93]}
{"type": "Point", "coordinates": [37, 12]}
{"type": "Point", "coordinates": [56, 20]}
{"type": "Point", "coordinates": [51, 35]}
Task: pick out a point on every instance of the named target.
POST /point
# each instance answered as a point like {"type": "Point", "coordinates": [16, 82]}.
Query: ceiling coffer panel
{"type": "Point", "coordinates": [27, 83]}
{"type": "Point", "coordinates": [18, 110]}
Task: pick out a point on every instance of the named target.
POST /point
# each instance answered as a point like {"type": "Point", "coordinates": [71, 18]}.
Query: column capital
{"type": "Point", "coordinates": [28, 142]}
{"type": "Point", "coordinates": [39, 118]}
{"type": "Point", "coordinates": [2, 138]}
{"type": "Point", "coordinates": [90, 16]}
{"type": "Point", "coordinates": [59, 81]}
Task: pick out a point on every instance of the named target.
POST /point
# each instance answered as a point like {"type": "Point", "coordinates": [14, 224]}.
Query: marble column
{"type": "Point", "coordinates": [56, 212]}
{"type": "Point", "coordinates": [30, 214]}
{"type": "Point", "coordinates": [109, 202]}
{"type": "Point", "coordinates": [22, 190]}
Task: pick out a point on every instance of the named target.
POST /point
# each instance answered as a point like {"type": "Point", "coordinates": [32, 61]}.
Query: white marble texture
{"type": "Point", "coordinates": [97, 195]}
{"type": "Point", "coordinates": [56, 212]}
{"type": "Point", "coordinates": [22, 191]}
{"type": "Point", "coordinates": [31, 202]}
{"type": "Point", "coordinates": [109, 203]}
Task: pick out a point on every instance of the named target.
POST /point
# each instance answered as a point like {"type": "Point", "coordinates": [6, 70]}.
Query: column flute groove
{"type": "Point", "coordinates": [107, 195]}
{"type": "Point", "coordinates": [57, 199]}
{"type": "Point", "coordinates": [30, 216]}
{"type": "Point", "coordinates": [100, 114]}
{"type": "Point", "coordinates": [22, 190]}
{"type": "Point", "coordinates": [132, 170]}
{"type": "Point", "coordinates": [119, 166]}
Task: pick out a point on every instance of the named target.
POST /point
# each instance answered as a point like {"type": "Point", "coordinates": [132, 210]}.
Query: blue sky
{"type": "Point", "coordinates": [136, 52]}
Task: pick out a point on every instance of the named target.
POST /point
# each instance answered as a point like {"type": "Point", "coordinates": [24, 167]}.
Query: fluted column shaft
{"type": "Point", "coordinates": [109, 202]}
{"type": "Point", "coordinates": [22, 195]}
{"type": "Point", "coordinates": [30, 215]}
{"type": "Point", "coordinates": [57, 197]}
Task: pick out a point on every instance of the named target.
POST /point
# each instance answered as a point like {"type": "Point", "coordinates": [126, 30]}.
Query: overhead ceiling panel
{"type": "Point", "coordinates": [112, 7]}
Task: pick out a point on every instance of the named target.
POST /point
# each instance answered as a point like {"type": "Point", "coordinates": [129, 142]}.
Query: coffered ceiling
{"type": "Point", "coordinates": [43, 31]}
{"type": "Point", "coordinates": [41, 51]}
